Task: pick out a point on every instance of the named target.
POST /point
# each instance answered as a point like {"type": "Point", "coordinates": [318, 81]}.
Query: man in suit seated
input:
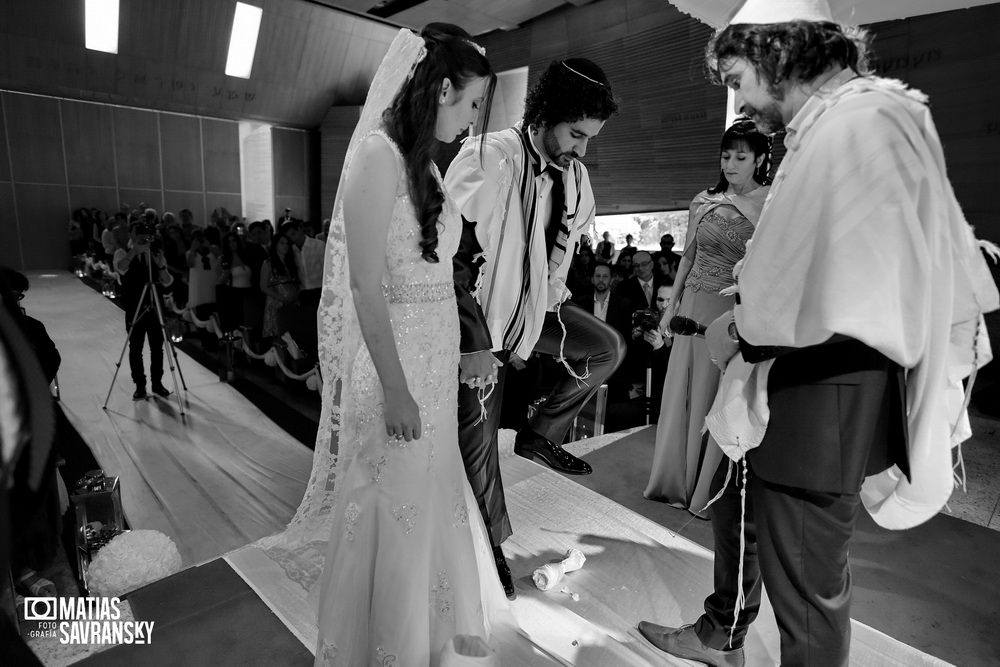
{"type": "Point", "coordinates": [640, 289]}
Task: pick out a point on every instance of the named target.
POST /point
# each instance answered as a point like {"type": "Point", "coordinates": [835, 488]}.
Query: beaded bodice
{"type": "Point", "coordinates": [721, 240]}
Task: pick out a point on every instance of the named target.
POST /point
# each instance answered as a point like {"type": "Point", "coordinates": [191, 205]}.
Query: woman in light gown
{"type": "Point", "coordinates": [408, 565]}
{"type": "Point", "coordinates": [721, 221]}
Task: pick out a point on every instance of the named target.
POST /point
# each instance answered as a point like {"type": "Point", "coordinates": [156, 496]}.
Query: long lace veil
{"type": "Point", "coordinates": [301, 547]}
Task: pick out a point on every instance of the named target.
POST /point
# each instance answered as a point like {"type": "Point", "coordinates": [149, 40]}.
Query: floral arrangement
{"type": "Point", "coordinates": [131, 560]}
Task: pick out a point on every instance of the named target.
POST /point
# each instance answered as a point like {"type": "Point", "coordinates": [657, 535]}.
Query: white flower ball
{"type": "Point", "coordinates": [132, 560]}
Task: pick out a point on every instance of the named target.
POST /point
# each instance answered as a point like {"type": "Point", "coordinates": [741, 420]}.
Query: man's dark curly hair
{"type": "Point", "coordinates": [568, 91]}
{"type": "Point", "coordinates": [795, 51]}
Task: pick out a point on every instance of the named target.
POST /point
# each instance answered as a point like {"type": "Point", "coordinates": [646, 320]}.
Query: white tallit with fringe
{"type": "Point", "coordinates": [498, 190]}
{"type": "Point", "coordinates": [862, 235]}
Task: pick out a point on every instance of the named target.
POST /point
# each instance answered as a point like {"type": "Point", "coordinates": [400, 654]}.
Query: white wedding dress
{"type": "Point", "coordinates": [408, 565]}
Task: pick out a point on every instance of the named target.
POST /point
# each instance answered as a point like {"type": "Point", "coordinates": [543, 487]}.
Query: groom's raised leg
{"type": "Point", "coordinates": [590, 347]}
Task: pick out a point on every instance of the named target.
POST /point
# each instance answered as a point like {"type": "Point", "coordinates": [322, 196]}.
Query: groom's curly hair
{"type": "Point", "coordinates": [568, 91]}
{"type": "Point", "coordinates": [793, 51]}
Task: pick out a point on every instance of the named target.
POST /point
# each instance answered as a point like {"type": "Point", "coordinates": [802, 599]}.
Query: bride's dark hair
{"type": "Point", "coordinates": [411, 119]}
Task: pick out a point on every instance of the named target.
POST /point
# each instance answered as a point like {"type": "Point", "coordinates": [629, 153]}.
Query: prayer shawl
{"type": "Point", "coordinates": [499, 190]}
{"type": "Point", "coordinates": [862, 235]}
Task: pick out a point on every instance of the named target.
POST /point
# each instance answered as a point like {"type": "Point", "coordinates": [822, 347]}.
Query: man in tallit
{"type": "Point", "coordinates": [860, 309]}
{"type": "Point", "coordinates": [526, 198]}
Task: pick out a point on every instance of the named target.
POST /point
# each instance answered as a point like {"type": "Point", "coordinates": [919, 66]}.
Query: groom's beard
{"type": "Point", "coordinates": [767, 118]}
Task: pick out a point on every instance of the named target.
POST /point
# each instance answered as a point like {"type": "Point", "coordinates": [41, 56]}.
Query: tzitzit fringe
{"type": "Point", "coordinates": [562, 356]}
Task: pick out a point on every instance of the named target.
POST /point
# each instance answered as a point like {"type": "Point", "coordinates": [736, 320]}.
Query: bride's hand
{"type": "Point", "coordinates": [402, 415]}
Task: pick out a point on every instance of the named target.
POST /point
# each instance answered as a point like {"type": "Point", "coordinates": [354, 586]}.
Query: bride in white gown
{"type": "Point", "coordinates": [408, 565]}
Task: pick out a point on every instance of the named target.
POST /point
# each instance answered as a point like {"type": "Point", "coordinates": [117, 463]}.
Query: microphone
{"type": "Point", "coordinates": [685, 326]}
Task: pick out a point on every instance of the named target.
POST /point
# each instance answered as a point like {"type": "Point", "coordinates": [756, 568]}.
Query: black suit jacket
{"type": "Point", "coordinates": [475, 333]}
{"type": "Point", "coordinates": [630, 290]}
{"type": "Point", "coordinates": [837, 415]}
{"type": "Point", "coordinates": [619, 311]}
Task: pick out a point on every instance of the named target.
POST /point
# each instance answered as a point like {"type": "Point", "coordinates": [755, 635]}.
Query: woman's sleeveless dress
{"type": "Point", "coordinates": [408, 565]}
{"type": "Point", "coordinates": [684, 462]}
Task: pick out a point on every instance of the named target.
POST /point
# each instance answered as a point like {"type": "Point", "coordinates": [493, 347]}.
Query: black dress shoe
{"type": "Point", "coordinates": [683, 642]}
{"type": "Point", "coordinates": [504, 571]}
{"type": "Point", "coordinates": [160, 390]}
{"type": "Point", "coordinates": [139, 393]}
{"type": "Point", "coordinates": [551, 454]}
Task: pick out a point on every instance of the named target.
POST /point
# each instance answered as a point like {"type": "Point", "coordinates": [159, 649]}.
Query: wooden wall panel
{"type": "Point", "coordinates": [136, 196]}
{"type": "Point", "coordinates": [180, 144]}
{"type": "Point", "coordinates": [176, 201]}
{"type": "Point", "coordinates": [290, 160]}
{"type": "Point", "coordinates": [231, 202]}
{"type": "Point", "coordinates": [84, 196]}
{"type": "Point", "coordinates": [43, 219]}
{"type": "Point", "coordinates": [221, 141]}
{"type": "Point", "coordinates": [35, 138]}
{"type": "Point", "coordinates": [88, 137]}
{"type": "Point", "coordinates": [137, 149]}
{"type": "Point", "coordinates": [954, 57]}
{"type": "Point", "coordinates": [10, 234]}
{"type": "Point", "coordinates": [4, 157]}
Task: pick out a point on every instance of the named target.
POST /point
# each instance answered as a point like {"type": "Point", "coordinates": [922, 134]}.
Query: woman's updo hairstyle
{"type": "Point", "coordinates": [411, 119]}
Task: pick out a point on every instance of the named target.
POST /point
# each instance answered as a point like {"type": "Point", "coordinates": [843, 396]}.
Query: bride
{"type": "Point", "coordinates": [408, 566]}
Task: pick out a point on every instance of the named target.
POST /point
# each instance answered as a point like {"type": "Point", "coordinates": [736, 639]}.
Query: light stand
{"type": "Point", "coordinates": [152, 295]}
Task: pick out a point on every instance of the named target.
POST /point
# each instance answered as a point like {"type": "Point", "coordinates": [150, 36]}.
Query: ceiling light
{"type": "Point", "coordinates": [101, 25]}
{"type": "Point", "coordinates": [243, 41]}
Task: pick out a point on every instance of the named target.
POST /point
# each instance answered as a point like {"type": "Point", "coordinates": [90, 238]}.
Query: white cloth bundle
{"type": "Point", "coordinates": [547, 576]}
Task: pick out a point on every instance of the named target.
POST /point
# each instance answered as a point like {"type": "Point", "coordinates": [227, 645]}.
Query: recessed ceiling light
{"type": "Point", "coordinates": [101, 25]}
{"type": "Point", "coordinates": [243, 41]}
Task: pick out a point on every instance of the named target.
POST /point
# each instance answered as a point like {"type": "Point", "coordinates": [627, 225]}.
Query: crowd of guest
{"type": "Point", "coordinates": [257, 281]}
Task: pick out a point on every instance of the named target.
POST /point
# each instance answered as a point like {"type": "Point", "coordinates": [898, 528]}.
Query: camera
{"type": "Point", "coordinates": [146, 231]}
{"type": "Point", "coordinates": [646, 319]}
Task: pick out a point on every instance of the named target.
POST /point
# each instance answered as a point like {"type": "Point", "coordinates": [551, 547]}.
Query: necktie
{"type": "Point", "coordinates": [648, 291]}
{"type": "Point", "coordinates": [558, 203]}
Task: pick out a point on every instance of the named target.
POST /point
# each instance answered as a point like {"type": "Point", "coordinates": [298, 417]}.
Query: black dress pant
{"type": "Point", "coordinates": [146, 327]}
{"type": "Point", "coordinates": [589, 345]}
{"type": "Point", "coordinates": [796, 541]}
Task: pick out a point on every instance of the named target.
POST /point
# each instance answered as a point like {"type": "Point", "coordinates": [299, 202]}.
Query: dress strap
{"type": "Point", "coordinates": [401, 187]}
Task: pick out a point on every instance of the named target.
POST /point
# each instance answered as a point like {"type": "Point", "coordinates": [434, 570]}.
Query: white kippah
{"type": "Point", "coordinates": [782, 11]}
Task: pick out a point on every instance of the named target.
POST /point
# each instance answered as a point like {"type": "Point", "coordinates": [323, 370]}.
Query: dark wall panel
{"type": "Point", "coordinates": [231, 202]}
{"type": "Point", "coordinates": [222, 156]}
{"type": "Point", "coordinates": [299, 206]}
{"type": "Point", "coordinates": [93, 197]}
{"type": "Point", "coordinates": [290, 157]}
{"type": "Point", "coordinates": [137, 147]}
{"type": "Point", "coordinates": [88, 137]}
{"type": "Point", "coordinates": [10, 235]}
{"type": "Point", "coordinates": [136, 196]}
{"type": "Point", "coordinates": [41, 211]}
{"type": "Point", "coordinates": [180, 142]}
{"type": "Point", "coordinates": [176, 201]}
{"type": "Point", "coordinates": [35, 138]}
{"type": "Point", "coordinates": [4, 158]}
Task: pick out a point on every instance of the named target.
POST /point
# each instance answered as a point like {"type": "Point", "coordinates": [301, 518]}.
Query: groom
{"type": "Point", "coordinates": [526, 199]}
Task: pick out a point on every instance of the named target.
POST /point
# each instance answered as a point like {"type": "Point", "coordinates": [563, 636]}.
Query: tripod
{"type": "Point", "coordinates": [149, 300]}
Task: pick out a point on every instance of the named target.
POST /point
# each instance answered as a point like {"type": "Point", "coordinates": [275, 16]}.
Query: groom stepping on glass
{"type": "Point", "coordinates": [525, 199]}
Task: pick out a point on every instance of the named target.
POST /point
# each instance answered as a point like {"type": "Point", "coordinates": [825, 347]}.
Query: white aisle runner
{"type": "Point", "coordinates": [226, 477]}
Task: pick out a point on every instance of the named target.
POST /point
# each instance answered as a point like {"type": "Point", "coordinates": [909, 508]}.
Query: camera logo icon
{"type": "Point", "coordinates": [40, 609]}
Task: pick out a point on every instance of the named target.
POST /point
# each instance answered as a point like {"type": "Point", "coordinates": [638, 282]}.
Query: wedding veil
{"type": "Point", "coordinates": [301, 548]}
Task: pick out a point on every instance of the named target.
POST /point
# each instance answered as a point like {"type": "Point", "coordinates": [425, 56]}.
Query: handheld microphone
{"type": "Point", "coordinates": [685, 326]}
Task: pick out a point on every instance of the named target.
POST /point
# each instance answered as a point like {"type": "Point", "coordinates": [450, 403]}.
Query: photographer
{"type": "Point", "coordinates": [135, 272]}
{"type": "Point", "coordinates": [649, 348]}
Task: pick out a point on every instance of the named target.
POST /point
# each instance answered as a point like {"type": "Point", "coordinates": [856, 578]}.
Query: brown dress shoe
{"type": "Point", "coordinates": [683, 642]}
